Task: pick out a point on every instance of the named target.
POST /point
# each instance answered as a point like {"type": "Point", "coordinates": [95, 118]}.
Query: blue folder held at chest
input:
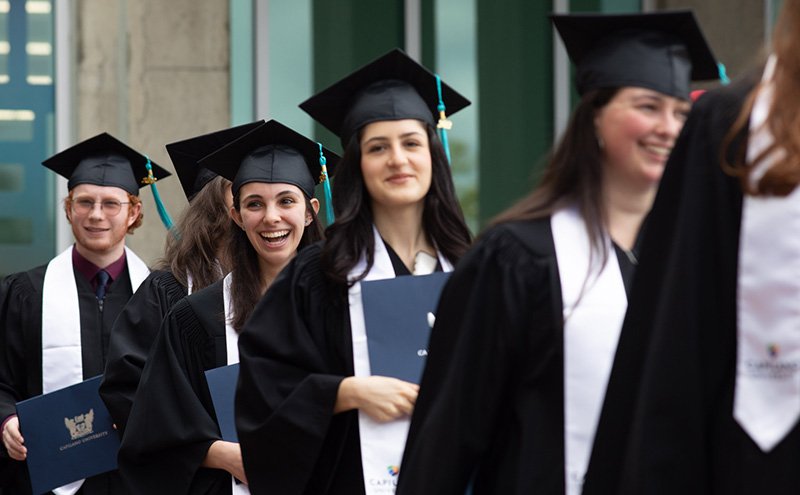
{"type": "Point", "coordinates": [69, 435]}
{"type": "Point", "coordinates": [398, 315]}
{"type": "Point", "coordinates": [222, 385]}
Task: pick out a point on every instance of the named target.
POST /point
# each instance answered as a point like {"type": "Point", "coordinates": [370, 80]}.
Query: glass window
{"type": "Point", "coordinates": [5, 44]}
{"type": "Point", "coordinates": [27, 198]}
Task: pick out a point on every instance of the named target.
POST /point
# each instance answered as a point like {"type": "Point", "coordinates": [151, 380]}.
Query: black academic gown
{"type": "Point", "coordinates": [491, 407]}
{"type": "Point", "coordinates": [294, 351]}
{"type": "Point", "coordinates": [172, 423]}
{"type": "Point", "coordinates": [21, 364]}
{"type": "Point", "coordinates": [680, 334]}
{"type": "Point", "coordinates": [132, 337]}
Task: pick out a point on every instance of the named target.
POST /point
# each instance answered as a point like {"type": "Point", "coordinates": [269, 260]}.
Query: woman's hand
{"type": "Point", "coordinates": [12, 439]}
{"type": "Point", "coordinates": [227, 456]}
{"type": "Point", "coordinates": [381, 398]}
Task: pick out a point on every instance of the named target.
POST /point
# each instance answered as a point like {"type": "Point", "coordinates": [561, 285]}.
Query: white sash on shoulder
{"type": "Point", "coordinates": [767, 392]}
{"type": "Point", "coordinates": [62, 365]}
{"type": "Point", "coordinates": [382, 444]}
{"type": "Point", "coordinates": [232, 350]}
{"type": "Point", "coordinates": [594, 302]}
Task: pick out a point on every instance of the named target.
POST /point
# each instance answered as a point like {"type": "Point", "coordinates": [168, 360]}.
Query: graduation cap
{"type": "Point", "coordinates": [105, 161]}
{"type": "Point", "coordinates": [272, 153]}
{"type": "Point", "coordinates": [662, 51]}
{"type": "Point", "coordinates": [185, 155]}
{"type": "Point", "coordinates": [391, 87]}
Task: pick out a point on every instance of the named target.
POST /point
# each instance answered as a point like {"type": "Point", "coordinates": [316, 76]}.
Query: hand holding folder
{"type": "Point", "coordinates": [398, 313]}
{"type": "Point", "coordinates": [69, 436]}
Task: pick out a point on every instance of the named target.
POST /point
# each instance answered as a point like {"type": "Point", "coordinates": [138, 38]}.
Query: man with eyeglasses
{"type": "Point", "coordinates": [55, 320]}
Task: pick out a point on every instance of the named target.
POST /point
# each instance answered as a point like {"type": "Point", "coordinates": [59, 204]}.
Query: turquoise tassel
{"type": "Point", "coordinates": [326, 184]}
{"type": "Point", "coordinates": [162, 211]}
{"type": "Point", "coordinates": [444, 125]}
{"type": "Point", "coordinates": [723, 76]}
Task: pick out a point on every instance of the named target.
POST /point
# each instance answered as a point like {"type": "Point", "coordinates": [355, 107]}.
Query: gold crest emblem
{"type": "Point", "coordinates": [81, 425]}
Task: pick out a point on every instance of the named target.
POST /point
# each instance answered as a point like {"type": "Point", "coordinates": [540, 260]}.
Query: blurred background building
{"type": "Point", "coordinates": [152, 71]}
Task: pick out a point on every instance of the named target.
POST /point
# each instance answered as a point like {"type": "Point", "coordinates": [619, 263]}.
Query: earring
{"type": "Point", "coordinates": [308, 222]}
{"type": "Point", "coordinates": [600, 143]}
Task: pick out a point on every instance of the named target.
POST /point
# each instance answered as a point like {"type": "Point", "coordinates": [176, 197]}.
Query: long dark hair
{"type": "Point", "coordinates": [573, 174]}
{"type": "Point", "coordinates": [246, 284]}
{"type": "Point", "coordinates": [351, 234]}
{"type": "Point", "coordinates": [196, 245]}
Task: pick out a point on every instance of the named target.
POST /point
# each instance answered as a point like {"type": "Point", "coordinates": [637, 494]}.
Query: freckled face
{"type": "Point", "coordinates": [97, 231]}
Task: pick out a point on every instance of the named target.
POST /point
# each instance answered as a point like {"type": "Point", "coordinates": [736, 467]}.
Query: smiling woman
{"type": "Point", "coordinates": [274, 217]}
{"type": "Point", "coordinates": [527, 327]}
{"type": "Point", "coordinates": [273, 171]}
{"type": "Point", "coordinates": [396, 164]}
{"type": "Point", "coordinates": [308, 408]}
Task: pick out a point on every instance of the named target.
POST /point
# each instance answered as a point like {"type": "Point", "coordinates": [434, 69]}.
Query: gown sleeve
{"type": "Point", "coordinates": [16, 316]}
{"type": "Point", "coordinates": [292, 359]}
{"type": "Point", "coordinates": [665, 383]}
{"type": "Point", "coordinates": [172, 423]}
{"type": "Point", "coordinates": [467, 425]}
{"type": "Point", "coordinates": [15, 311]}
{"type": "Point", "coordinates": [132, 336]}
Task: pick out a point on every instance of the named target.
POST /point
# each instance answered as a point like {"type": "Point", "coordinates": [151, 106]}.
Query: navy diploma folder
{"type": "Point", "coordinates": [396, 316]}
{"type": "Point", "coordinates": [222, 385]}
{"type": "Point", "coordinates": [69, 435]}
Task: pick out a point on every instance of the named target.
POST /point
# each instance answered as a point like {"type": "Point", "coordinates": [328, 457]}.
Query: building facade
{"type": "Point", "coordinates": [151, 72]}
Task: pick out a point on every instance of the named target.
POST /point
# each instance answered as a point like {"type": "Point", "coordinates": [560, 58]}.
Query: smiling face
{"type": "Point", "coordinates": [273, 216]}
{"type": "Point", "coordinates": [396, 162]}
{"type": "Point", "coordinates": [638, 128]}
{"type": "Point", "coordinates": [97, 233]}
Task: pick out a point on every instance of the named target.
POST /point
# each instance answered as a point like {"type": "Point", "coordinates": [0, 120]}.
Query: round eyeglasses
{"type": "Point", "coordinates": [110, 207]}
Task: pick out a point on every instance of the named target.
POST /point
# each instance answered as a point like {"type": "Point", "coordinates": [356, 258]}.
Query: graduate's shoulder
{"type": "Point", "coordinates": [305, 270]}
{"type": "Point", "coordinates": [162, 282]}
{"type": "Point", "coordinates": [205, 298]}
{"type": "Point", "coordinates": [517, 242]}
{"type": "Point", "coordinates": [23, 284]}
{"type": "Point", "coordinates": [198, 315]}
{"type": "Point", "coordinates": [162, 278]}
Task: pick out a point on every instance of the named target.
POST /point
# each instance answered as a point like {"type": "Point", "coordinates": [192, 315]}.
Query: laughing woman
{"type": "Point", "coordinates": [304, 396]}
{"type": "Point", "coordinates": [194, 258]}
{"type": "Point", "coordinates": [172, 443]}
{"type": "Point", "coordinates": [527, 326]}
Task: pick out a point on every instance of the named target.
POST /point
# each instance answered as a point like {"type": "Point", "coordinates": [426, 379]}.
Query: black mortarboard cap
{"type": "Point", "coordinates": [662, 51]}
{"type": "Point", "coordinates": [391, 87]}
{"type": "Point", "coordinates": [272, 153]}
{"type": "Point", "coordinates": [185, 155]}
{"type": "Point", "coordinates": [104, 161]}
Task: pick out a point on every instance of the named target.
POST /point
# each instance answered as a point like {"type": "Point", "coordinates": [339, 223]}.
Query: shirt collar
{"type": "Point", "coordinates": [89, 269]}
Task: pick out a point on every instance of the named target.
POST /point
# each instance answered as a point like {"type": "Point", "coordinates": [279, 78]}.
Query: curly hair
{"type": "Point", "coordinates": [196, 244]}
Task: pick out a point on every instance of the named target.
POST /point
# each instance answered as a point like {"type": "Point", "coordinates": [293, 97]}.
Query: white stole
{"type": "Point", "coordinates": [594, 302]}
{"type": "Point", "coordinates": [61, 327]}
{"type": "Point", "coordinates": [232, 352]}
{"type": "Point", "coordinates": [767, 391]}
{"type": "Point", "coordinates": [382, 444]}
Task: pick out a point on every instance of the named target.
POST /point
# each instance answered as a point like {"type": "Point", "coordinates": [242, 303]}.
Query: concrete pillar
{"type": "Point", "coordinates": [151, 72]}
